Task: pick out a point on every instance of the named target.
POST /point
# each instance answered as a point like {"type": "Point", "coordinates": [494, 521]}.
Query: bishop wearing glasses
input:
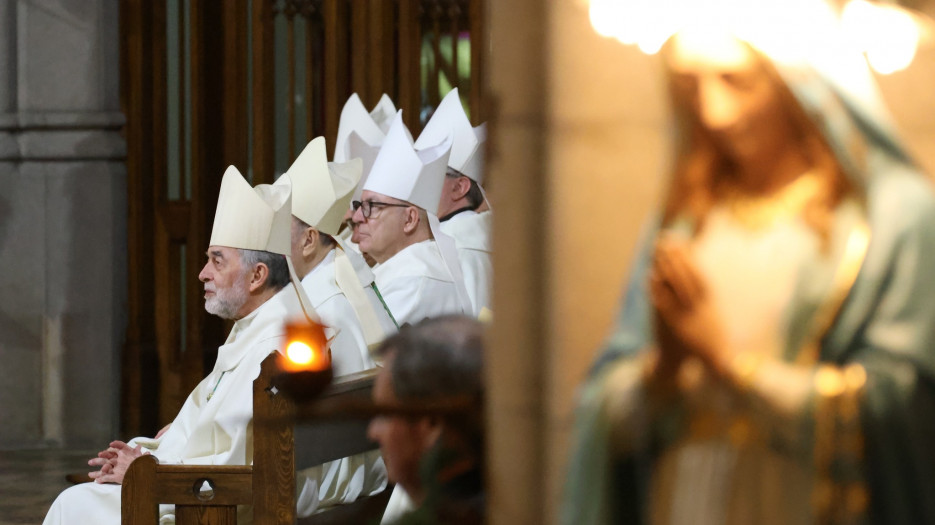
{"type": "Point", "coordinates": [417, 268]}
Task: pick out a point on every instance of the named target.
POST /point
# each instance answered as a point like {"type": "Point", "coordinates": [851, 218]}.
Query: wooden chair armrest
{"type": "Point", "coordinates": [147, 484]}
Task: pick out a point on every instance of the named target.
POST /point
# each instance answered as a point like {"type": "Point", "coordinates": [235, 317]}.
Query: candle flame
{"type": "Point", "coordinates": [300, 353]}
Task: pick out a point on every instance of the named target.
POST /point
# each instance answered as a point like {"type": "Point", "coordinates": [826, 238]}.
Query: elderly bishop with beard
{"type": "Point", "coordinates": [246, 279]}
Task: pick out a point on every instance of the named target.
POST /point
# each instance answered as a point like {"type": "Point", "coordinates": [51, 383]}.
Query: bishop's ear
{"type": "Point", "coordinates": [462, 187]}
{"type": "Point", "coordinates": [310, 241]}
{"type": "Point", "coordinates": [258, 276]}
{"type": "Point", "coordinates": [412, 219]}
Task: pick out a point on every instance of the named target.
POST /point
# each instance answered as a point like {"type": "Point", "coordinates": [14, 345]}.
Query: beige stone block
{"type": "Point", "coordinates": [518, 233]}
{"type": "Point", "coordinates": [910, 94]}
{"type": "Point", "coordinates": [516, 358]}
{"type": "Point", "coordinates": [516, 59]}
{"type": "Point", "coordinates": [593, 78]}
{"type": "Point", "coordinates": [516, 459]}
{"type": "Point", "coordinates": [922, 147]}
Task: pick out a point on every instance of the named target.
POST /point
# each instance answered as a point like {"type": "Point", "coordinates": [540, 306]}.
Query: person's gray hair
{"type": "Point", "coordinates": [326, 240]}
{"type": "Point", "coordinates": [437, 358]}
{"type": "Point", "coordinates": [278, 268]}
{"type": "Point", "coordinates": [475, 195]}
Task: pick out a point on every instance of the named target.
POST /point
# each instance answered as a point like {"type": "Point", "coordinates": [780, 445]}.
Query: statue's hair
{"type": "Point", "coordinates": [701, 169]}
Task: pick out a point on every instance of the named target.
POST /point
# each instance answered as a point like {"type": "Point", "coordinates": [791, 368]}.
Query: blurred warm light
{"type": "Point", "coordinates": [645, 23]}
{"type": "Point", "coordinates": [786, 30]}
{"type": "Point", "coordinates": [888, 35]}
{"type": "Point", "coordinates": [300, 353]}
{"type": "Point", "coordinates": [306, 348]}
{"type": "Point", "coordinates": [649, 23]}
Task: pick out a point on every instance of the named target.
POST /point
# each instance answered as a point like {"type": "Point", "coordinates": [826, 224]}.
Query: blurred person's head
{"type": "Point", "coordinates": [437, 361]}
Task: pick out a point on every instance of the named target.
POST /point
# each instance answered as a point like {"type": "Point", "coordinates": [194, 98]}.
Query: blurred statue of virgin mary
{"type": "Point", "coordinates": [774, 362]}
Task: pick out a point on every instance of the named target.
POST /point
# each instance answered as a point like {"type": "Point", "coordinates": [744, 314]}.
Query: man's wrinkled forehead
{"type": "Point", "coordinates": [223, 252]}
{"type": "Point", "coordinates": [368, 195]}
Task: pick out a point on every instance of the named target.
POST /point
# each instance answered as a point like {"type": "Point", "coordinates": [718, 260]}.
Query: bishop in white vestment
{"type": "Point", "coordinates": [417, 270]}
{"type": "Point", "coordinates": [339, 286]}
{"type": "Point", "coordinates": [462, 195]}
{"type": "Point", "coordinates": [247, 279]}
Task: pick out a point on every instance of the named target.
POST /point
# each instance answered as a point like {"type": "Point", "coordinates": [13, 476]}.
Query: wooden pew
{"type": "Point", "coordinates": [210, 494]}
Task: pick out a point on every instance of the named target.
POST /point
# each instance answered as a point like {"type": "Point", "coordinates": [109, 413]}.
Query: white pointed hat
{"type": "Point", "coordinates": [467, 147]}
{"type": "Point", "coordinates": [383, 113]}
{"type": "Point", "coordinates": [321, 191]}
{"type": "Point", "coordinates": [258, 218]}
{"type": "Point", "coordinates": [252, 218]}
{"type": "Point", "coordinates": [403, 172]}
{"type": "Point", "coordinates": [370, 126]}
{"type": "Point", "coordinates": [357, 147]}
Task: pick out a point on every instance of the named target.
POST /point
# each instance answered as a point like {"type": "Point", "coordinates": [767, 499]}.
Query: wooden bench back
{"type": "Point", "coordinates": [269, 484]}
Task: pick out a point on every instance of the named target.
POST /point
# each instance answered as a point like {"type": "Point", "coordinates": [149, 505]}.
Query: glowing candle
{"type": "Point", "coordinates": [306, 348]}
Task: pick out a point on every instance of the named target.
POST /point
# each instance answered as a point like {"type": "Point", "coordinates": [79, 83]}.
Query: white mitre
{"type": "Point", "coordinates": [416, 176]}
{"type": "Point", "coordinates": [403, 172]}
{"type": "Point", "coordinates": [257, 218]}
{"type": "Point", "coordinates": [371, 127]}
{"type": "Point", "coordinates": [321, 193]}
{"type": "Point", "coordinates": [360, 134]}
{"type": "Point", "coordinates": [321, 190]}
{"type": "Point", "coordinates": [252, 218]}
{"type": "Point", "coordinates": [467, 146]}
{"type": "Point", "coordinates": [383, 113]}
{"type": "Point", "coordinates": [358, 148]}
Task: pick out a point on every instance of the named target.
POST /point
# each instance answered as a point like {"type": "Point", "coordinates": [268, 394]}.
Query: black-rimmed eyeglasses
{"type": "Point", "coordinates": [366, 207]}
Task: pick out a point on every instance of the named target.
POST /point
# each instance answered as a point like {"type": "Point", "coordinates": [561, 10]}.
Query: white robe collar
{"type": "Point", "coordinates": [470, 230]}
{"type": "Point", "coordinates": [319, 283]}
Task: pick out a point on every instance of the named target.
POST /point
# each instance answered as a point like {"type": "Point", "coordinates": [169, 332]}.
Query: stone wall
{"type": "Point", "coordinates": [62, 223]}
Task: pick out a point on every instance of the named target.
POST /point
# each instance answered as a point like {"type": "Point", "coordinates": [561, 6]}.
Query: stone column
{"type": "Point", "coordinates": [577, 161]}
{"type": "Point", "coordinates": [62, 223]}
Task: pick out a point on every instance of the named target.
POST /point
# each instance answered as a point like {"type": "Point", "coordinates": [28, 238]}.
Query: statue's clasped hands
{"type": "Point", "coordinates": [687, 322]}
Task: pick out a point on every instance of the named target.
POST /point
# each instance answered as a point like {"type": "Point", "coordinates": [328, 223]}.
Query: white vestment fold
{"type": "Point", "coordinates": [349, 352]}
{"type": "Point", "coordinates": [416, 284]}
{"type": "Point", "coordinates": [344, 480]}
{"type": "Point", "coordinates": [213, 426]}
{"type": "Point", "coordinates": [471, 232]}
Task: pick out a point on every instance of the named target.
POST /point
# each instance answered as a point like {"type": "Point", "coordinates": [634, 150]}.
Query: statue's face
{"type": "Point", "coordinates": [726, 86]}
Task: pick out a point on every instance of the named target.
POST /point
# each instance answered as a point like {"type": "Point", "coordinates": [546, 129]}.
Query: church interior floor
{"type": "Point", "coordinates": [31, 479]}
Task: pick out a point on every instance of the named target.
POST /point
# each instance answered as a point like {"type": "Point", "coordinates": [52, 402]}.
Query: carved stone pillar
{"type": "Point", "coordinates": [62, 222]}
